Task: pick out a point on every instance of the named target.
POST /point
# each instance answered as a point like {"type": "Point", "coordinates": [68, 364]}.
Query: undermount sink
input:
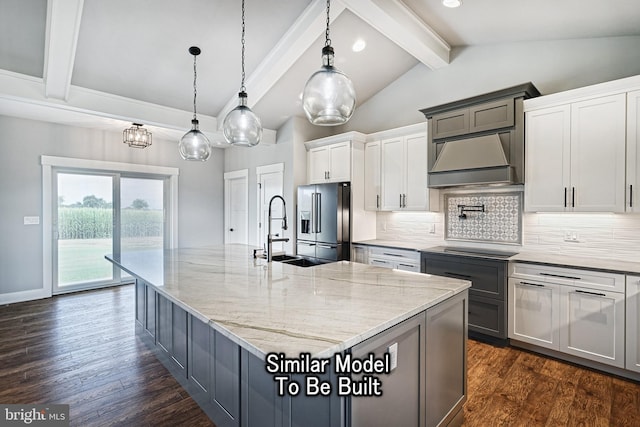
{"type": "Point", "coordinates": [297, 261]}
{"type": "Point", "coordinates": [284, 258]}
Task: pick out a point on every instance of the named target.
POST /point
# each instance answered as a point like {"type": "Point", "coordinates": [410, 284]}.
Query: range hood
{"type": "Point", "coordinates": [478, 140]}
{"type": "Point", "coordinates": [472, 161]}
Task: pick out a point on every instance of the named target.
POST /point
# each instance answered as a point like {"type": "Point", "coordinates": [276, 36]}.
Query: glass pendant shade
{"type": "Point", "coordinates": [329, 98]}
{"type": "Point", "coordinates": [194, 145]}
{"type": "Point", "coordinates": [242, 127]}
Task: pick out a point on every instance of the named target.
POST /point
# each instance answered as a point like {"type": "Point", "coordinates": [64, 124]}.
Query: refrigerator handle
{"type": "Point", "coordinates": [313, 212]}
{"type": "Point", "coordinates": [318, 210]}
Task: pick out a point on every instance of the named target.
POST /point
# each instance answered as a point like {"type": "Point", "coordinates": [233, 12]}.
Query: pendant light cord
{"type": "Point", "coordinates": [195, 90]}
{"type": "Point", "coordinates": [242, 87]}
{"type": "Point", "coordinates": [327, 41]}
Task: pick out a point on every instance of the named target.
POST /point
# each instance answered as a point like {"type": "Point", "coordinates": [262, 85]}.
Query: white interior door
{"type": "Point", "coordinates": [236, 218]}
{"type": "Point", "coordinates": [270, 183]}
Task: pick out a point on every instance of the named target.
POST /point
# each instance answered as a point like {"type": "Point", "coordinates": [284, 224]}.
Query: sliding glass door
{"type": "Point", "coordinates": [102, 213]}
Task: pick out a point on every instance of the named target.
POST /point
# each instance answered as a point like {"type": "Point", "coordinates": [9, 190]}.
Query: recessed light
{"type": "Point", "coordinates": [452, 3]}
{"type": "Point", "coordinates": [359, 45]}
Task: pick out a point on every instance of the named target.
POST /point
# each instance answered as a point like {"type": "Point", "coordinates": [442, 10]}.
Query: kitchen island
{"type": "Point", "coordinates": [215, 315]}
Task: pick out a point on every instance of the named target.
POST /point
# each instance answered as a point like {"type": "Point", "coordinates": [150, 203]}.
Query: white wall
{"type": "Point", "coordinates": [23, 141]}
{"type": "Point", "coordinates": [552, 66]}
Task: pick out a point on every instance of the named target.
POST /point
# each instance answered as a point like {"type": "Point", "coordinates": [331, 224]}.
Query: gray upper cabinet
{"type": "Point", "coordinates": [478, 118]}
{"type": "Point", "coordinates": [452, 123]}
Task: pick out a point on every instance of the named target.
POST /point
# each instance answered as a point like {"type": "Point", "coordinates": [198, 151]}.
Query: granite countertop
{"type": "Point", "coordinates": [589, 263]}
{"type": "Point", "coordinates": [275, 307]}
{"type": "Point", "coordinates": [392, 244]}
{"type": "Point", "coordinates": [556, 259]}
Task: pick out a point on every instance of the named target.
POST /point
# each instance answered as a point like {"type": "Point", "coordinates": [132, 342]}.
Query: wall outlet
{"type": "Point", "coordinates": [571, 236]}
{"type": "Point", "coordinates": [31, 220]}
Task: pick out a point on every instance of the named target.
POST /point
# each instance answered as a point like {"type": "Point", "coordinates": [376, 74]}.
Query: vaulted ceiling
{"type": "Point", "coordinates": [106, 63]}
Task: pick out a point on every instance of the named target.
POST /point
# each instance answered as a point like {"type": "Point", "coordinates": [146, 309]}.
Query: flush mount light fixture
{"type": "Point", "coordinates": [194, 145]}
{"type": "Point", "coordinates": [136, 137]}
{"type": "Point", "coordinates": [242, 127]}
{"type": "Point", "coordinates": [452, 3]}
{"type": "Point", "coordinates": [329, 97]}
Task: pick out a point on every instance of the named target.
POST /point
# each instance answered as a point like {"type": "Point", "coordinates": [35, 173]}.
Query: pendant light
{"type": "Point", "coordinates": [136, 137]}
{"type": "Point", "coordinates": [242, 127]}
{"type": "Point", "coordinates": [329, 97]}
{"type": "Point", "coordinates": [194, 145]}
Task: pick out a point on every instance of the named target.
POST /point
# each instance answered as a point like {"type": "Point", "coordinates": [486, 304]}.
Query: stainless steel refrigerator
{"type": "Point", "coordinates": [323, 228]}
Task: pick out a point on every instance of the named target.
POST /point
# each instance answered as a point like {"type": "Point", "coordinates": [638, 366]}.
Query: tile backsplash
{"type": "Point", "coordinates": [484, 217]}
{"type": "Point", "coordinates": [610, 236]}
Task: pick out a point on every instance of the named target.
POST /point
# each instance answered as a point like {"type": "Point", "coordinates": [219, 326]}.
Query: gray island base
{"type": "Point", "coordinates": [270, 344]}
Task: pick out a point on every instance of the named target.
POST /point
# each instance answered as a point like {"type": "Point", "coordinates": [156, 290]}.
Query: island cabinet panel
{"type": "Point", "coordinates": [261, 406]}
{"type": "Point", "coordinates": [172, 334]}
{"type": "Point", "coordinates": [150, 311]}
{"type": "Point", "coordinates": [140, 297]}
{"type": "Point", "coordinates": [225, 379]}
{"type": "Point", "coordinates": [633, 323]}
{"type": "Point", "coordinates": [199, 356]}
{"type": "Point", "coordinates": [446, 362]}
{"type": "Point", "coordinates": [403, 389]}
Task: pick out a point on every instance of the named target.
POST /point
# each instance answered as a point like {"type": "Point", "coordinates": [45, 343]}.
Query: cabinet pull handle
{"type": "Point", "coordinates": [573, 197]}
{"type": "Point", "coordinates": [377, 201]}
{"type": "Point", "coordinates": [388, 254]}
{"type": "Point", "coordinates": [565, 197]}
{"type": "Point", "coordinates": [400, 200]}
{"type": "Point", "coordinates": [631, 195]}
{"type": "Point", "coordinates": [560, 275]}
{"type": "Point", "coordinates": [404, 200]}
{"type": "Point", "coordinates": [591, 293]}
{"type": "Point", "coordinates": [462, 276]}
{"type": "Point", "coordinates": [532, 284]}
{"type": "Point", "coordinates": [328, 174]}
{"type": "Point", "coordinates": [407, 265]}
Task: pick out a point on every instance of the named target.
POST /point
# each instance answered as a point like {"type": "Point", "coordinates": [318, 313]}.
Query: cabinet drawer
{"type": "Point", "coordinates": [398, 255]}
{"type": "Point", "coordinates": [488, 278]}
{"type": "Point", "coordinates": [487, 316]}
{"type": "Point", "coordinates": [569, 276]}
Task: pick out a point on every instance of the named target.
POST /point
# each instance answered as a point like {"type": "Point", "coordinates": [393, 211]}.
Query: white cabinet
{"type": "Point", "coordinates": [575, 156]}
{"type": "Point", "coordinates": [592, 324]}
{"type": "Point", "coordinates": [576, 312]}
{"type": "Point", "coordinates": [633, 151]}
{"type": "Point", "coordinates": [534, 312]}
{"type": "Point", "coordinates": [403, 178]}
{"type": "Point", "coordinates": [330, 163]}
{"type": "Point", "coordinates": [633, 323]}
{"type": "Point", "coordinates": [400, 259]}
{"type": "Point", "coordinates": [372, 176]}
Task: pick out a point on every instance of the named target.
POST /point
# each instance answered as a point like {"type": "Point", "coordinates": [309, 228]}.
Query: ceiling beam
{"type": "Point", "coordinates": [401, 25]}
{"type": "Point", "coordinates": [63, 28]}
{"type": "Point", "coordinates": [295, 42]}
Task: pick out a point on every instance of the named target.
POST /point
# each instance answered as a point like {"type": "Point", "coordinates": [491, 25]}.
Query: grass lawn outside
{"type": "Point", "coordinates": [82, 260]}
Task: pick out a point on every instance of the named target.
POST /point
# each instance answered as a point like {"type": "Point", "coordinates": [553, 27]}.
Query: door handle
{"type": "Point", "coordinates": [532, 284]}
{"type": "Point", "coordinates": [313, 212]}
{"type": "Point", "coordinates": [591, 293]}
{"type": "Point", "coordinates": [318, 213]}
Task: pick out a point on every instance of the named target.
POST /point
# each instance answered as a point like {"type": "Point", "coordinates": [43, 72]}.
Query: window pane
{"type": "Point", "coordinates": [142, 214]}
{"type": "Point", "coordinates": [85, 228]}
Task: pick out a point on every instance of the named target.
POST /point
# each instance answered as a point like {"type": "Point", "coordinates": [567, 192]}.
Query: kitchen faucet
{"type": "Point", "coordinates": [270, 238]}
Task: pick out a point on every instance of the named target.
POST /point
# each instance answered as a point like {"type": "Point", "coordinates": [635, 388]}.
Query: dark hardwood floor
{"type": "Point", "coordinates": [81, 349]}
